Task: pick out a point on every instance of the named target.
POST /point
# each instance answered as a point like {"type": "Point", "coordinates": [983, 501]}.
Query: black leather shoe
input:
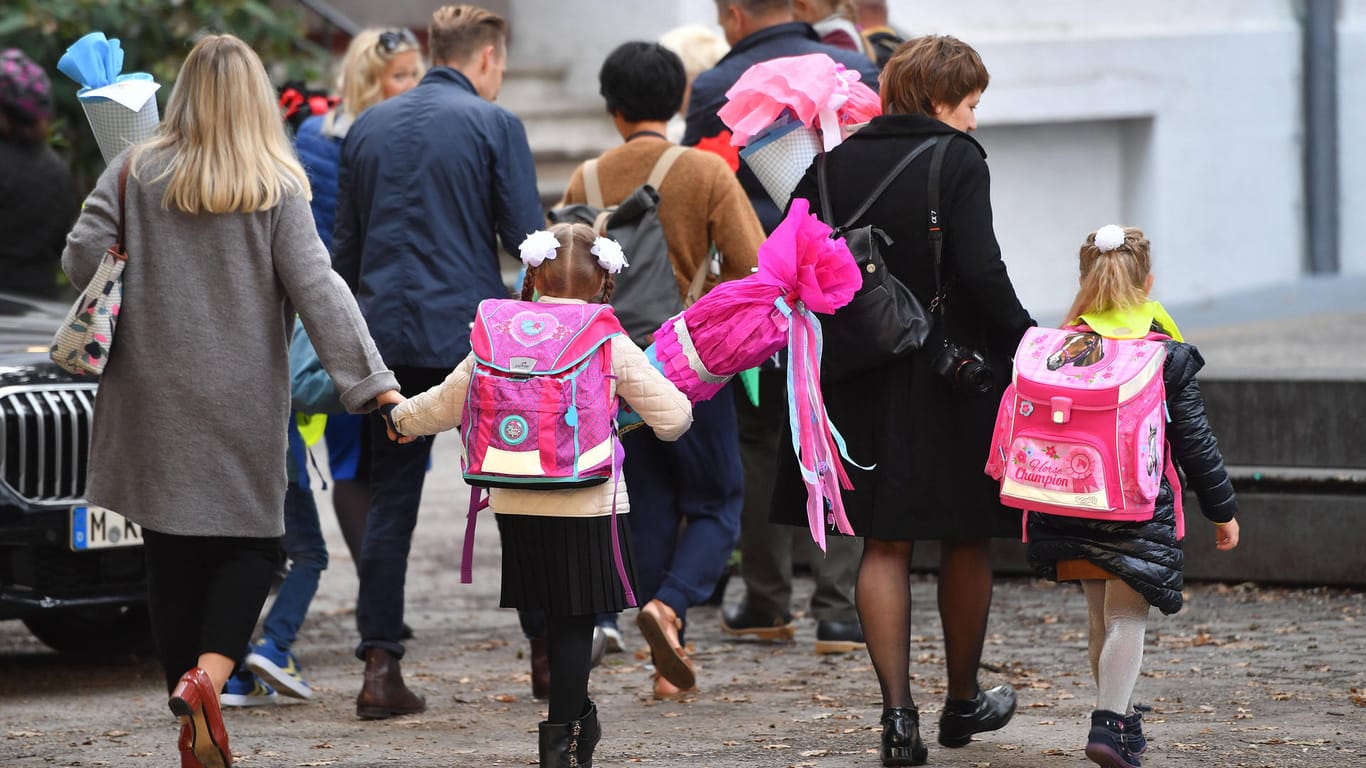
{"type": "Point", "coordinates": [839, 636]}
{"type": "Point", "coordinates": [901, 743]}
{"type": "Point", "coordinates": [990, 710]}
{"type": "Point", "coordinates": [741, 621]}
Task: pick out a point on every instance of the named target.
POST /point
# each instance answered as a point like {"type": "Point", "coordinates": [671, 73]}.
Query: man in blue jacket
{"type": "Point", "coordinates": [427, 181]}
{"type": "Point", "coordinates": [760, 30]}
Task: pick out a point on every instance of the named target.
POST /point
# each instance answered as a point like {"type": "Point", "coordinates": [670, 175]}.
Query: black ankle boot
{"type": "Point", "coordinates": [1133, 730]}
{"type": "Point", "coordinates": [590, 733]}
{"type": "Point", "coordinates": [901, 743]}
{"type": "Point", "coordinates": [1105, 744]}
{"type": "Point", "coordinates": [570, 745]}
{"type": "Point", "coordinates": [989, 710]}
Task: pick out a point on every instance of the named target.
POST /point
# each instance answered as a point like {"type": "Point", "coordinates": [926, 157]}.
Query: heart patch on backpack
{"type": "Point", "coordinates": [532, 328]}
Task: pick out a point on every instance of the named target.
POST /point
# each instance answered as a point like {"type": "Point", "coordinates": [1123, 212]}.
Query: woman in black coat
{"type": "Point", "coordinates": [928, 436]}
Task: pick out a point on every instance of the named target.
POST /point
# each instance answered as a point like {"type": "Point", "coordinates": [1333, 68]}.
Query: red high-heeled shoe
{"type": "Point", "coordinates": [186, 744]}
{"type": "Point", "coordinates": [196, 698]}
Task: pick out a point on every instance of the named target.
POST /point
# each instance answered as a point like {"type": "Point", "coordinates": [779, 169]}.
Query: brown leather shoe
{"type": "Point", "coordinates": [383, 694]}
{"type": "Point", "coordinates": [540, 668]}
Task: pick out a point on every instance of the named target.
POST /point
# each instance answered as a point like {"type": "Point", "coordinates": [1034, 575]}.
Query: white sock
{"type": "Point", "coordinates": [1125, 619]}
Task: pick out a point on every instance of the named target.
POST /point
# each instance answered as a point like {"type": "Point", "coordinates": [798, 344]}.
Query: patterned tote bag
{"type": "Point", "coordinates": [82, 343]}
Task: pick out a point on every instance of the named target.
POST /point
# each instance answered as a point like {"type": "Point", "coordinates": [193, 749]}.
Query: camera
{"type": "Point", "coordinates": [965, 368]}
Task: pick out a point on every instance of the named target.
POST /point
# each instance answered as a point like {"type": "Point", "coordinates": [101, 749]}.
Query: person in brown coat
{"type": "Point", "coordinates": [698, 478]}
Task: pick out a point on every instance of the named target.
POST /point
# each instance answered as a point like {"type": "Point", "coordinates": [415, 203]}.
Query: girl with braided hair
{"type": "Point", "coordinates": [558, 550]}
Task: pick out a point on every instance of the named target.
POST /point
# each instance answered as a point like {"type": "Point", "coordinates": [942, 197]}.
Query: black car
{"type": "Point", "coordinates": [72, 572]}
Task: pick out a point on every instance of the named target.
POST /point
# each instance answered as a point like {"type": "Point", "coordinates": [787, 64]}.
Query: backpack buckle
{"type": "Point", "coordinates": [1062, 409]}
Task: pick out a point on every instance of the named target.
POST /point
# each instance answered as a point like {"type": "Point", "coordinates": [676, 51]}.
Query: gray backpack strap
{"type": "Point", "coordinates": [592, 188]}
{"type": "Point", "coordinates": [663, 164]}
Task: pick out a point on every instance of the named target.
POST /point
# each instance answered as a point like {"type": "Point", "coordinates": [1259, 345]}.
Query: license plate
{"type": "Point", "coordinates": [99, 528]}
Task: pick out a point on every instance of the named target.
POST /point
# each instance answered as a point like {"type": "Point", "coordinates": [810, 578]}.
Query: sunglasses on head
{"type": "Point", "coordinates": [391, 39]}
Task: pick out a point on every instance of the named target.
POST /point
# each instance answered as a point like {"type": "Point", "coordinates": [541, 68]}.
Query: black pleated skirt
{"type": "Point", "coordinates": [564, 565]}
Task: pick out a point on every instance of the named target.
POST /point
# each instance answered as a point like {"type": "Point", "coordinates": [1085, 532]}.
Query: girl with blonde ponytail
{"type": "Point", "coordinates": [1126, 567]}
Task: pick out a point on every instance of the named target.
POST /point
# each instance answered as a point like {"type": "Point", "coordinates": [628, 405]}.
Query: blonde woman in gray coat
{"type": "Point", "coordinates": [188, 434]}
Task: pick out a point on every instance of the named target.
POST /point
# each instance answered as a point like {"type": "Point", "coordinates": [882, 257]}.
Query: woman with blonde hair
{"type": "Point", "coordinates": [186, 439]}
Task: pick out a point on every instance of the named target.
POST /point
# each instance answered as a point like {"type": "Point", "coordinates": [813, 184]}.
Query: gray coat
{"type": "Point", "coordinates": [189, 430]}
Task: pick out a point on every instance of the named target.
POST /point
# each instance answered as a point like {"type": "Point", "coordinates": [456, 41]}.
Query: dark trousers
{"type": "Point", "coordinates": [204, 594]}
{"type": "Point", "coordinates": [766, 548]}
{"type": "Point", "coordinates": [695, 480]}
{"type": "Point", "coordinates": [396, 476]}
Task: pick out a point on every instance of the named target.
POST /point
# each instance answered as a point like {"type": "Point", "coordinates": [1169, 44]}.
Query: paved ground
{"type": "Point", "coordinates": [1242, 677]}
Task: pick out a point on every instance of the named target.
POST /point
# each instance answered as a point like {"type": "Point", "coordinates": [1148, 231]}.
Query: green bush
{"type": "Point", "coordinates": [156, 35]}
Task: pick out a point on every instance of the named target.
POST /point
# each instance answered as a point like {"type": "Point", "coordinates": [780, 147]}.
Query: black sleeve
{"type": "Point", "coordinates": [978, 270]}
{"type": "Point", "coordinates": [1193, 445]}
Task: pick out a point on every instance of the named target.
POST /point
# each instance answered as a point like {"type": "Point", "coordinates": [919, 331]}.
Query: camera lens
{"type": "Point", "coordinates": [975, 377]}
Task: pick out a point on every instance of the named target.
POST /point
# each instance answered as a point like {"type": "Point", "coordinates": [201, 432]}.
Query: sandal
{"type": "Point", "coordinates": [667, 691]}
{"type": "Point", "coordinates": [660, 626]}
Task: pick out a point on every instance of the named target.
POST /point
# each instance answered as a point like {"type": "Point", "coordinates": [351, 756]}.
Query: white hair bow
{"type": "Point", "coordinates": [1109, 237]}
{"type": "Point", "coordinates": [537, 247]}
{"type": "Point", "coordinates": [609, 253]}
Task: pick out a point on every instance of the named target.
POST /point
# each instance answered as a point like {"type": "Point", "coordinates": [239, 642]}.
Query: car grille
{"type": "Point", "coordinates": [44, 440]}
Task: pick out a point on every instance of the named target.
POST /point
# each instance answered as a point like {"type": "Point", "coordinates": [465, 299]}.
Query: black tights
{"type": "Point", "coordinates": [569, 640]}
{"type": "Point", "coordinates": [884, 607]}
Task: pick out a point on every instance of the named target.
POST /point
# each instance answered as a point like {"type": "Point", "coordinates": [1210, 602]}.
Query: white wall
{"type": "Point", "coordinates": [1351, 126]}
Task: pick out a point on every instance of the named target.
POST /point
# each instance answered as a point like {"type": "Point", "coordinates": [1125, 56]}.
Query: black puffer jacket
{"type": "Point", "coordinates": [1147, 555]}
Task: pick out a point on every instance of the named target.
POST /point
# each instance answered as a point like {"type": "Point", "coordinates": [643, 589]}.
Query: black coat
{"type": "Point", "coordinates": [928, 441]}
{"type": "Point", "coordinates": [1147, 555]}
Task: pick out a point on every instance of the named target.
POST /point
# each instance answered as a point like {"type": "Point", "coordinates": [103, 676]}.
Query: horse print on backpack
{"type": "Point", "coordinates": [1081, 428]}
{"type": "Point", "coordinates": [540, 411]}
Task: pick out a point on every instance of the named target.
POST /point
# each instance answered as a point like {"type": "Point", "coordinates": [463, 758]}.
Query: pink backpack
{"type": "Point", "coordinates": [540, 411]}
{"type": "Point", "coordinates": [1081, 428]}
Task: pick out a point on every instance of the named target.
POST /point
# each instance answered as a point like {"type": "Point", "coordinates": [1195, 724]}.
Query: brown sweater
{"type": "Point", "coordinates": [700, 203]}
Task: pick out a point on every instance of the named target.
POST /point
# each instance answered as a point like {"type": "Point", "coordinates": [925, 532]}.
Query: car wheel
{"type": "Point", "coordinates": [95, 632]}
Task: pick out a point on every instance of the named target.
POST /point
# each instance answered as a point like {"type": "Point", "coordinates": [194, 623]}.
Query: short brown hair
{"type": "Point", "coordinates": [460, 31]}
{"type": "Point", "coordinates": [929, 70]}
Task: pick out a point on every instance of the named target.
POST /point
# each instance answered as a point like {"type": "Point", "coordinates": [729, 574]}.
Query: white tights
{"type": "Point", "coordinates": [1118, 619]}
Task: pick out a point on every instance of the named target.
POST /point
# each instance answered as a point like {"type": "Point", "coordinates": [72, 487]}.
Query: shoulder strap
{"type": "Point", "coordinates": [663, 165]}
{"type": "Point", "coordinates": [823, 186]}
{"type": "Point", "coordinates": [121, 245]}
{"type": "Point", "coordinates": [592, 188]}
{"type": "Point", "coordinates": [936, 223]}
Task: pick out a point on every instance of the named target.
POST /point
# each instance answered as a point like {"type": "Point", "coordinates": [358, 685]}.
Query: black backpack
{"type": "Point", "coordinates": [646, 292]}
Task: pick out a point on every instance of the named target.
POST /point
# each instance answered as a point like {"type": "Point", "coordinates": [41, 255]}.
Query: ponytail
{"type": "Point", "coordinates": [1114, 278]}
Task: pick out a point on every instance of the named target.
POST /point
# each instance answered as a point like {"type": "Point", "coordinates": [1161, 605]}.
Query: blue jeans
{"type": "Point", "coordinates": [396, 476]}
{"type": "Point", "coordinates": [307, 552]}
{"type": "Point", "coordinates": [697, 480]}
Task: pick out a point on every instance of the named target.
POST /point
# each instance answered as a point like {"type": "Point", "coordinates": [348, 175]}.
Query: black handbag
{"type": "Point", "coordinates": [884, 320]}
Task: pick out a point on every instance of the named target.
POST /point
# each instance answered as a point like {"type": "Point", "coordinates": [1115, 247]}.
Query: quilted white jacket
{"type": "Point", "coordinates": [655, 398]}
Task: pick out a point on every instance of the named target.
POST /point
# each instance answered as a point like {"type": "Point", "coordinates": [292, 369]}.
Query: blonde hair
{"type": "Point", "coordinates": [1115, 279]}
{"type": "Point", "coordinates": [699, 47]}
{"type": "Point", "coordinates": [574, 272]}
{"type": "Point", "coordinates": [362, 70]}
{"type": "Point", "coordinates": [458, 32]}
{"type": "Point", "coordinates": [223, 128]}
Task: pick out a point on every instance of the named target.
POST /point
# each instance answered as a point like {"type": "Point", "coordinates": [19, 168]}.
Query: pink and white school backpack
{"type": "Point", "coordinates": [1081, 430]}
{"type": "Point", "coordinates": [540, 410]}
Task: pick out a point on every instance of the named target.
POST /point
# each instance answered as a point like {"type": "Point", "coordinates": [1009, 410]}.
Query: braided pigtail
{"type": "Point", "coordinates": [529, 283]}
{"type": "Point", "coordinates": [608, 286]}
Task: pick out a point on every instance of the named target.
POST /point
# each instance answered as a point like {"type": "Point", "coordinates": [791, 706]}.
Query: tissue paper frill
{"type": "Point", "coordinates": [742, 323]}
{"type": "Point", "coordinates": [819, 91]}
{"type": "Point", "coordinates": [120, 108]}
{"type": "Point", "coordinates": [737, 325]}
